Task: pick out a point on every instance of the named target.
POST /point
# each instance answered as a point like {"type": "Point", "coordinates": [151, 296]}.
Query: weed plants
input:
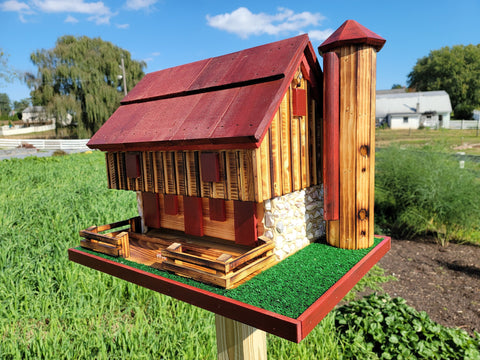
{"type": "Point", "coordinates": [422, 193]}
{"type": "Point", "coordinates": [379, 327]}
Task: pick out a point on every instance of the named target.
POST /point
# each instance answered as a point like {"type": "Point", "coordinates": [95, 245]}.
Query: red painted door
{"type": "Point", "coordinates": [245, 222]}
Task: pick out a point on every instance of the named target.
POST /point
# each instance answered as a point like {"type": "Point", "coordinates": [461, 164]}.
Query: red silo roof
{"type": "Point", "coordinates": [351, 32]}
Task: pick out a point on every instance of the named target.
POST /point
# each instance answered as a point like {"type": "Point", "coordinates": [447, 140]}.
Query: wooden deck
{"type": "Point", "coordinates": [206, 259]}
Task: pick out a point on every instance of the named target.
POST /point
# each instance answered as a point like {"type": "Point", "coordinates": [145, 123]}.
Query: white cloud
{"type": "Point", "coordinates": [17, 6]}
{"type": "Point", "coordinates": [152, 57]}
{"type": "Point", "coordinates": [139, 4]}
{"type": "Point", "coordinates": [320, 35]}
{"type": "Point", "coordinates": [70, 19]}
{"type": "Point", "coordinates": [74, 6]}
{"type": "Point", "coordinates": [122, 26]}
{"type": "Point", "coordinates": [100, 19]}
{"type": "Point", "coordinates": [244, 23]}
{"type": "Point", "coordinates": [14, 5]}
{"type": "Point", "coordinates": [98, 11]}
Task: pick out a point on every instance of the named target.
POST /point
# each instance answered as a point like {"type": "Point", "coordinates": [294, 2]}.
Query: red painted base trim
{"type": "Point", "coordinates": [291, 329]}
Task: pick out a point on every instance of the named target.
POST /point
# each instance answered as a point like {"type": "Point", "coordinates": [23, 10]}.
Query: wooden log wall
{"type": "Point", "coordinates": [179, 173]}
{"type": "Point", "coordinates": [288, 159]}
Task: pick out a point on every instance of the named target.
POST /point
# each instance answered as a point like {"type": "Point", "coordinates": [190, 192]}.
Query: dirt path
{"type": "Point", "coordinates": [442, 281]}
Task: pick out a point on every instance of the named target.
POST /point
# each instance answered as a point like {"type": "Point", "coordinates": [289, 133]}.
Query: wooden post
{"type": "Point", "coordinates": [350, 67]}
{"type": "Point", "coordinates": [237, 341]}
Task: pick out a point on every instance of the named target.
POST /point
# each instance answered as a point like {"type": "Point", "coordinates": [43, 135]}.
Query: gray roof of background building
{"type": "Point", "coordinates": [406, 102]}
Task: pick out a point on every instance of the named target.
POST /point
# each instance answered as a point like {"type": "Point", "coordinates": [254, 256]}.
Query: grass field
{"type": "Point", "coordinates": [51, 308]}
{"type": "Point", "coordinates": [449, 141]}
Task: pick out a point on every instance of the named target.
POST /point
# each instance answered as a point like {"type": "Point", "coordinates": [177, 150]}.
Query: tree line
{"type": "Point", "coordinates": [81, 77]}
{"type": "Point", "coordinates": [454, 69]}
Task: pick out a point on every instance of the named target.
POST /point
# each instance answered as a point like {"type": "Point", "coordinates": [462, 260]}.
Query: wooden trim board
{"type": "Point", "coordinates": [285, 327]}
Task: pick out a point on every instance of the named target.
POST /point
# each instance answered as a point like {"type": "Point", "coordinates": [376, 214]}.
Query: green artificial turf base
{"type": "Point", "coordinates": [289, 287]}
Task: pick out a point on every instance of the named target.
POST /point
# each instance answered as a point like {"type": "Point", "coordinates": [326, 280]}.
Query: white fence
{"type": "Point", "coordinates": [464, 124]}
{"type": "Point", "coordinates": [6, 130]}
{"type": "Point", "coordinates": [80, 144]}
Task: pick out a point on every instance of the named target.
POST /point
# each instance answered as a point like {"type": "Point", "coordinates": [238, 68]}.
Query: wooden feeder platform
{"type": "Point", "coordinates": [291, 328]}
{"type": "Point", "coordinates": [205, 259]}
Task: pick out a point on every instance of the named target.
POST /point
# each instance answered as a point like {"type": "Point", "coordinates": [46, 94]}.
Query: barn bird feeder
{"type": "Point", "coordinates": [240, 161]}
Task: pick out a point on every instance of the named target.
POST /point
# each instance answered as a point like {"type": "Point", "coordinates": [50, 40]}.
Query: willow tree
{"type": "Point", "coordinates": [81, 76]}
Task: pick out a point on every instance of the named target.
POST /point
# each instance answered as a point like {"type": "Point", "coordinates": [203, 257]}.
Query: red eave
{"type": "Point", "coordinates": [223, 102]}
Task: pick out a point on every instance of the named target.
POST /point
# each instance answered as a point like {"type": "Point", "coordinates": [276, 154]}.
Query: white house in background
{"type": "Point", "coordinates": [35, 115]}
{"type": "Point", "coordinates": [411, 110]}
{"type": "Point", "coordinates": [476, 114]}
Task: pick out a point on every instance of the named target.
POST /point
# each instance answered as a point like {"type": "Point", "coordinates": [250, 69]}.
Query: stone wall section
{"type": "Point", "coordinates": [294, 220]}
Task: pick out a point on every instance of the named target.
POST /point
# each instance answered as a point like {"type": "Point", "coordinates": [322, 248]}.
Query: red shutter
{"type": "Point", "coordinates": [170, 202]}
{"type": "Point", "coordinates": [217, 209]}
{"type": "Point", "coordinates": [193, 217]}
{"type": "Point", "coordinates": [151, 209]}
{"type": "Point", "coordinates": [210, 165]}
{"type": "Point", "coordinates": [245, 222]}
{"type": "Point", "coordinates": [299, 102]}
{"type": "Point", "coordinates": [132, 164]}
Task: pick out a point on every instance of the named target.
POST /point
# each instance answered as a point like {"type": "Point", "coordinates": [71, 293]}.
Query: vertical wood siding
{"type": "Point", "coordinates": [288, 159]}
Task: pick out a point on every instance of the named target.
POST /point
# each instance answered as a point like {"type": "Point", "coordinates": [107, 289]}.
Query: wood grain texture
{"type": "Point", "coordinates": [265, 166]}
{"type": "Point", "coordinates": [159, 172]}
{"type": "Point", "coordinates": [285, 146]}
{"type": "Point", "coordinates": [315, 148]}
{"type": "Point", "coordinates": [364, 145]}
{"type": "Point", "coordinates": [275, 156]}
{"type": "Point", "coordinates": [237, 341]}
{"type": "Point", "coordinates": [373, 88]}
{"type": "Point", "coordinates": [169, 172]}
{"type": "Point", "coordinates": [295, 151]}
{"type": "Point", "coordinates": [348, 146]}
{"type": "Point", "coordinates": [222, 229]}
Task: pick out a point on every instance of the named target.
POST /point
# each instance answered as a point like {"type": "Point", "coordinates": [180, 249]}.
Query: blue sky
{"type": "Point", "coordinates": [166, 33]}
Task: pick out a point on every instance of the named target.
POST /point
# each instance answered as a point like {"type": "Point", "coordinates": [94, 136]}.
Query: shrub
{"type": "Point", "coordinates": [379, 327]}
{"type": "Point", "coordinates": [423, 192]}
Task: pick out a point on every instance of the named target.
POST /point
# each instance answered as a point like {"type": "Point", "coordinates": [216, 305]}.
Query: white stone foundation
{"type": "Point", "coordinates": [294, 220]}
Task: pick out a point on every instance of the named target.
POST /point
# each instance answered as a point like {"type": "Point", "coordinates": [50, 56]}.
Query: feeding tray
{"type": "Point", "coordinates": [205, 259]}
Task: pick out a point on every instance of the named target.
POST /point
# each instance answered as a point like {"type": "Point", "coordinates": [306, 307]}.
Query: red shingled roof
{"type": "Point", "coordinates": [222, 102]}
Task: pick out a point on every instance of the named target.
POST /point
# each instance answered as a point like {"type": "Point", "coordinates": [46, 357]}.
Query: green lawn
{"type": "Point", "coordinates": [54, 309]}
{"type": "Point", "coordinates": [51, 308]}
{"type": "Point", "coordinates": [443, 140]}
